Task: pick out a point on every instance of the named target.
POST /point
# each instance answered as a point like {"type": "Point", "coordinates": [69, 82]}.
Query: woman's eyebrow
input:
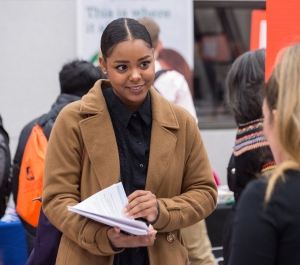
{"type": "Point", "coordinates": [143, 58]}
{"type": "Point", "coordinates": [121, 61]}
{"type": "Point", "coordinates": [125, 61]}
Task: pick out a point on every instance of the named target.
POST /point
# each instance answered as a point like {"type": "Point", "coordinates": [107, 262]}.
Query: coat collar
{"type": "Point", "coordinates": [162, 111]}
{"type": "Point", "coordinates": [98, 136]}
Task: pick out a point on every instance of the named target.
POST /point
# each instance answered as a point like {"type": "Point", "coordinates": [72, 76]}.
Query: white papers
{"type": "Point", "coordinates": [106, 206]}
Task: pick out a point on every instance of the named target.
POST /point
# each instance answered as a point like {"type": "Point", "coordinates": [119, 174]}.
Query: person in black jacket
{"type": "Point", "coordinates": [5, 169]}
{"type": "Point", "coordinates": [76, 78]}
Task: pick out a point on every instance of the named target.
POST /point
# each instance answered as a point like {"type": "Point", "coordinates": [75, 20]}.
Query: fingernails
{"type": "Point", "coordinates": [125, 210]}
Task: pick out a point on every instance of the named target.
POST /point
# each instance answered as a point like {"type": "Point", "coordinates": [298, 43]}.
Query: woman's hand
{"type": "Point", "coordinates": [142, 204]}
{"type": "Point", "coordinates": [120, 240]}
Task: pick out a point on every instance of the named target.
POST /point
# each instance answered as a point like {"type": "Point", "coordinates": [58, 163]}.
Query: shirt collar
{"type": "Point", "coordinates": [115, 105]}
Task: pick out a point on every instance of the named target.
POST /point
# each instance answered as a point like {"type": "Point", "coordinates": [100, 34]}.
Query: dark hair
{"type": "Point", "coordinates": [271, 90]}
{"type": "Point", "coordinates": [245, 83]}
{"type": "Point", "coordinates": [78, 77]}
{"type": "Point", "coordinates": [120, 30]}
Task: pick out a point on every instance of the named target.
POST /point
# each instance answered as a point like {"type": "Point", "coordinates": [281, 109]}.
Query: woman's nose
{"type": "Point", "coordinates": [135, 75]}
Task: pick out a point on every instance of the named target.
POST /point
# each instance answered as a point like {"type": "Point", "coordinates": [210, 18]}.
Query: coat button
{"type": "Point", "coordinates": [233, 171]}
{"type": "Point", "coordinates": [170, 237]}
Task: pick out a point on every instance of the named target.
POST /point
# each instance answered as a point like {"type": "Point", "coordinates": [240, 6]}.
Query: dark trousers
{"type": "Point", "coordinates": [30, 242]}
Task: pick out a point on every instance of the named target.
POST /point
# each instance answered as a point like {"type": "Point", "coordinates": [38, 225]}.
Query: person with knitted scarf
{"type": "Point", "coordinates": [252, 156]}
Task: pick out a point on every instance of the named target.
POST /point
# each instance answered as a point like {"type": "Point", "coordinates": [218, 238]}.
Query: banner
{"type": "Point", "coordinates": [175, 19]}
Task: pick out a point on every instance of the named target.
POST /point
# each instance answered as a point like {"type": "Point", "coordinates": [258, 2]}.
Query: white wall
{"type": "Point", "coordinates": [36, 38]}
{"type": "Point", "coordinates": [219, 145]}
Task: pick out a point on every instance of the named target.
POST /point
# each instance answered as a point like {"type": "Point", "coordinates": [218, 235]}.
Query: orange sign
{"type": "Point", "coordinates": [283, 28]}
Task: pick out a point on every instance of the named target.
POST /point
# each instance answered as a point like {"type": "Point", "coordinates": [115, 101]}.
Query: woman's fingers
{"type": "Point", "coordinates": [142, 204]}
{"type": "Point", "coordinates": [117, 229]}
{"type": "Point", "coordinates": [138, 194]}
{"type": "Point", "coordinates": [120, 240]}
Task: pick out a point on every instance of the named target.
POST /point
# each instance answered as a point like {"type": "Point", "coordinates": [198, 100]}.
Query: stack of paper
{"type": "Point", "coordinates": [106, 206]}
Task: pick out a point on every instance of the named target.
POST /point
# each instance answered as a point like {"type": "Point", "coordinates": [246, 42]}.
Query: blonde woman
{"type": "Point", "coordinates": [267, 229]}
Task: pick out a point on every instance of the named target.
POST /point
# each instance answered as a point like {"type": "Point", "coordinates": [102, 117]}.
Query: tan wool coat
{"type": "Point", "coordinates": [179, 174]}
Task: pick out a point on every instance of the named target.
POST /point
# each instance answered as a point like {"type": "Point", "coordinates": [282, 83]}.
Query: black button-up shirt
{"type": "Point", "coordinates": [133, 132]}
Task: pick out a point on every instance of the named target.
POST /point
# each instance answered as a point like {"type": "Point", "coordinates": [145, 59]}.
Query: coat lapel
{"type": "Point", "coordinates": [163, 141]}
{"type": "Point", "coordinates": [99, 137]}
{"type": "Point", "coordinates": [162, 149]}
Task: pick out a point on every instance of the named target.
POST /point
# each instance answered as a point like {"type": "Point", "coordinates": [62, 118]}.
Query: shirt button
{"type": "Point", "coordinates": [141, 165]}
{"type": "Point", "coordinates": [134, 115]}
{"type": "Point", "coordinates": [139, 142]}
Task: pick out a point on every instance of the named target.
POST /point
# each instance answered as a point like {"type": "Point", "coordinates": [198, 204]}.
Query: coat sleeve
{"type": "Point", "coordinates": [62, 178]}
{"type": "Point", "coordinates": [198, 196]}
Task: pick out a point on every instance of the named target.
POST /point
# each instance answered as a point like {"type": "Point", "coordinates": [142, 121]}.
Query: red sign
{"type": "Point", "coordinates": [283, 28]}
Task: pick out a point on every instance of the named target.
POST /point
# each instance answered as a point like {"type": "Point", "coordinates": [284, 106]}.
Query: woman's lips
{"type": "Point", "coordinates": [136, 87]}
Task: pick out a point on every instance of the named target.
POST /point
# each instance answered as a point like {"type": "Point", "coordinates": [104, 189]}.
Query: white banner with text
{"type": "Point", "coordinates": [175, 19]}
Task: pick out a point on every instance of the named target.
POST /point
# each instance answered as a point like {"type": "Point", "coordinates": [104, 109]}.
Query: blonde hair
{"type": "Point", "coordinates": [285, 82]}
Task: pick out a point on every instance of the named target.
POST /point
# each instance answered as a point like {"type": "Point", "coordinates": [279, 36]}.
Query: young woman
{"type": "Point", "coordinates": [266, 228]}
{"type": "Point", "coordinates": [133, 135]}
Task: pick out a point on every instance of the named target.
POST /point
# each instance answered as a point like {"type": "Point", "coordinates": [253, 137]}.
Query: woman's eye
{"type": "Point", "coordinates": [121, 67]}
{"type": "Point", "coordinates": [144, 64]}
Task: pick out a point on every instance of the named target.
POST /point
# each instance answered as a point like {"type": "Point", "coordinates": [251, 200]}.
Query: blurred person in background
{"type": "Point", "coordinates": [252, 155]}
{"type": "Point", "coordinates": [5, 169]}
{"type": "Point", "coordinates": [172, 60]}
{"type": "Point", "coordinates": [76, 79]}
{"type": "Point", "coordinates": [169, 82]}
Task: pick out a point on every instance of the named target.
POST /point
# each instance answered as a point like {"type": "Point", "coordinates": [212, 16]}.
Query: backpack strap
{"type": "Point", "coordinates": [47, 120]}
{"type": "Point", "coordinates": [158, 74]}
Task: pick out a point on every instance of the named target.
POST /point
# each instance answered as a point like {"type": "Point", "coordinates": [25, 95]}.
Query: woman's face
{"type": "Point", "coordinates": [270, 133]}
{"type": "Point", "coordinates": [130, 69]}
